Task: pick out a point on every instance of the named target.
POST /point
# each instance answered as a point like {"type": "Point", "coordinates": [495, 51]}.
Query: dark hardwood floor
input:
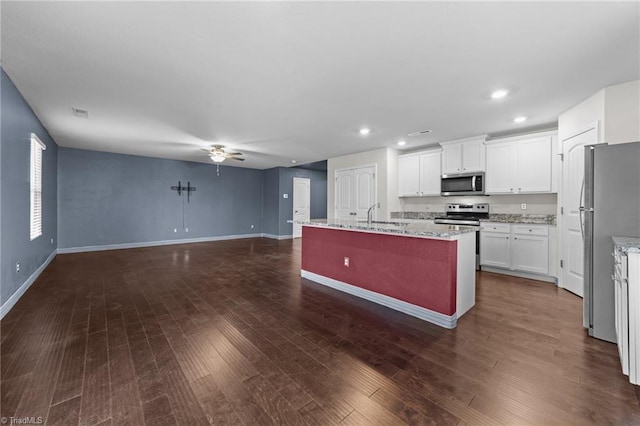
{"type": "Point", "coordinates": [228, 333]}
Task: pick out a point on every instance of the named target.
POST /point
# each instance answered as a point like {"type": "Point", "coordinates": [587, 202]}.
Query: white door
{"type": "Point", "coordinates": [365, 191]}
{"type": "Point", "coordinates": [345, 198]}
{"type": "Point", "coordinates": [355, 192]}
{"type": "Point", "coordinates": [571, 228]}
{"type": "Point", "coordinates": [301, 204]}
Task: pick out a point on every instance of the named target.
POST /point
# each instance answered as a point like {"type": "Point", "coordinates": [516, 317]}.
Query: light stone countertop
{"type": "Point", "coordinates": [627, 244]}
{"type": "Point", "coordinates": [408, 228]}
{"type": "Point", "coordinates": [537, 219]}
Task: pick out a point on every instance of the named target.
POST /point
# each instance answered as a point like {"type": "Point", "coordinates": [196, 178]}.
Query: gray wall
{"type": "Point", "coordinates": [318, 195]}
{"type": "Point", "coordinates": [270, 206]}
{"type": "Point", "coordinates": [117, 199]}
{"type": "Point", "coordinates": [18, 122]}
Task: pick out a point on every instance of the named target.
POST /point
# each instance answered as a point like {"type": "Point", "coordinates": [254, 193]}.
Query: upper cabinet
{"type": "Point", "coordinates": [419, 174]}
{"type": "Point", "coordinates": [520, 165]}
{"type": "Point", "coordinates": [463, 155]}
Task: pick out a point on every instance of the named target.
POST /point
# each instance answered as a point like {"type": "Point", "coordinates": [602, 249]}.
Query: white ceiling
{"type": "Point", "coordinates": [283, 81]}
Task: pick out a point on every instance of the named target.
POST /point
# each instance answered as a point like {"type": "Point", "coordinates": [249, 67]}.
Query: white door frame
{"type": "Point", "coordinates": [560, 217]}
{"type": "Point", "coordinates": [297, 229]}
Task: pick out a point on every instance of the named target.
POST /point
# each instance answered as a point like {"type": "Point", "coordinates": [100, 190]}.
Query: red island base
{"type": "Point", "coordinates": [430, 278]}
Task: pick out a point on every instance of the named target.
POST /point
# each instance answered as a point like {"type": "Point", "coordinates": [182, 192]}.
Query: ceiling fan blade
{"type": "Point", "coordinates": [205, 149]}
{"type": "Point", "coordinates": [234, 153]}
{"type": "Point", "coordinates": [235, 158]}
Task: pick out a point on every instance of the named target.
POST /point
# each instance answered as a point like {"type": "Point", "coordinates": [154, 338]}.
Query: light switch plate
{"type": "Point", "coordinates": [285, 195]}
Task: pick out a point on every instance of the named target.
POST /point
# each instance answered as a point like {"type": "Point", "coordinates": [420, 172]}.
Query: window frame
{"type": "Point", "coordinates": [35, 187]}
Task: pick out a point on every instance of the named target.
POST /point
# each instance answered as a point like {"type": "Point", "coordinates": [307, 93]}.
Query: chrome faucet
{"type": "Point", "coordinates": [369, 213]}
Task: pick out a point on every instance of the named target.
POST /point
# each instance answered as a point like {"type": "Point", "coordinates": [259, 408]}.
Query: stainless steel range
{"type": "Point", "coordinates": [466, 215]}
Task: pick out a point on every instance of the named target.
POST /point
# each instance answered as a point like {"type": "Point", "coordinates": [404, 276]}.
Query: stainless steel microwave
{"type": "Point", "coordinates": [462, 184]}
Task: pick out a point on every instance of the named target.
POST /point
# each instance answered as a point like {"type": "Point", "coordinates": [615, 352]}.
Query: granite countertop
{"type": "Point", "coordinates": [538, 219]}
{"type": "Point", "coordinates": [401, 227]}
{"type": "Point", "coordinates": [627, 244]}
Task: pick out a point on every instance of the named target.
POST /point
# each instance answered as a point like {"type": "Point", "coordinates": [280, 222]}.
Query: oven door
{"type": "Point", "coordinates": [462, 184]}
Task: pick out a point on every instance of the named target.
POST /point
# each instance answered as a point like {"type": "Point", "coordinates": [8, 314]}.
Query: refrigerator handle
{"type": "Point", "coordinates": [581, 209]}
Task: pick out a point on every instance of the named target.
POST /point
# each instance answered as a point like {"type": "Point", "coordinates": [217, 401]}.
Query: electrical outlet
{"type": "Point", "coordinates": [346, 262]}
{"type": "Point", "coordinates": [52, 241]}
{"type": "Point", "coordinates": [285, 195]}
{"type": "Point", "coordinates": [523, 206]}
{"type": "Point", "coordinates": [186, 229]}
{"type": "Point", "coordinates": [175, 230]}
{"type": "Point", "coordinates": [251, 226]}
{"type": "Point", "coordinates": [17, 266]}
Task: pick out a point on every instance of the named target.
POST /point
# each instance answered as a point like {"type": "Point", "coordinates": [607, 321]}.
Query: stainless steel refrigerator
{"type": "Point", "coordinates": [611, 207]}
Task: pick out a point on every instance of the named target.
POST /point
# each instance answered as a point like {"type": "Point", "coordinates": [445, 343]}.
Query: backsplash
{"type": "Point", "coordinates": [545, 204]}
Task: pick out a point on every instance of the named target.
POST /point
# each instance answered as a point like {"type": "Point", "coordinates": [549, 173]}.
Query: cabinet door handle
{"type": "Point", "coordinates": [511, 189]}
{"type": "Point", "coordinates": [515, 238]}
{"type": "Point", "coordinates": [507, 238]}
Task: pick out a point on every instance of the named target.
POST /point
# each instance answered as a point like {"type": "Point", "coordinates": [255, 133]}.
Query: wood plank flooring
{"type": "Point", "coordinates": [228, 333]}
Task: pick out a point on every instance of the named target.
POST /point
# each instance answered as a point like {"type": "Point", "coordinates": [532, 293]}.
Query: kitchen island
{"type": "Point", "coordinates": [421, 269]}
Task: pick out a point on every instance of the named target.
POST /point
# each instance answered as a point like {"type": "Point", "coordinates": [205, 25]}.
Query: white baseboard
{"type": "Point", "coordinates": [84, 249]}
{"type": "Point", "coordinates": [278, 237]}
{"type": "Point", "coordinates": [520, 274]}
{"type": "Point", "coordinates": [6, 306]}
{"type": "Point", "coordinates": [446, 321]}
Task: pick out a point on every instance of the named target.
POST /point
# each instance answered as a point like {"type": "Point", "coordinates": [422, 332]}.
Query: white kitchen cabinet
{"type": "Point", "coordinates": [626, 281]}
{"type": "Point", "coordinates": [495, 244]}
{"type": "Point", "coordinates": [463, 155]}
{"type": "Point", "coordinates": [515, 247]}
{"type": "Point", "coordinates": [519, 166]}
{"type": "Point", "coordinates": [419, 174]}
{"type": "Point", "coordinates": [409, 176]}
{"type": "Point", "coordinates": [530, 254]}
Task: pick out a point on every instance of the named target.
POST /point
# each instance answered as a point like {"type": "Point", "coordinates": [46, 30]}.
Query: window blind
{"type": "Point", "coordinates": [35, 213]}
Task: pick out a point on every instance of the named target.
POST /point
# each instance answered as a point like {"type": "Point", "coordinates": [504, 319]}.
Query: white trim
{"type": "Point", "coordinates": [84, 249]}
{"type": "Point", "coordinates": [446, 321]}
{"type": "Point", "coordinates": [481, 138]}
{"type": "Point", "coordinates": [519, 274]}
{"type": "Point", "coordinates": [6, 306]}
{"type": "Point", "coordinates": [277, 237]}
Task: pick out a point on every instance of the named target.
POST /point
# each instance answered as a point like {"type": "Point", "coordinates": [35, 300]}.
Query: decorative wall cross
{"type": "Point", "coordinates": [188, 189]}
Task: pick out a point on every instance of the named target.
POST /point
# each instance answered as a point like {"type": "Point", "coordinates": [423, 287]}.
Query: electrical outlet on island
{"type": "Point", "coordinates": [523, 206]}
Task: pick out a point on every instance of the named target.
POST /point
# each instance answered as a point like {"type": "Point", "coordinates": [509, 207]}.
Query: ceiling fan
{"type": "Point", "coordinates": [218, 154]}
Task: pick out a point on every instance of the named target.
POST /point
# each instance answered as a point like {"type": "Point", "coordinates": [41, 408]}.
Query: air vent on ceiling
{"type": "Point", "coordinates": [421, 132]}
{"type": "Point", "coordinates": [82, 113]}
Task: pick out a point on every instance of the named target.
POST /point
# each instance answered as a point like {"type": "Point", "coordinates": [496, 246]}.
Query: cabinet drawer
{"type": "Point", "coordinates": [530, 229]}
{"type": "Point", "coordinates": [502, 228]}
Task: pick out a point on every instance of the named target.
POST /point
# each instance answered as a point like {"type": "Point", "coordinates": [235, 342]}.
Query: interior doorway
{"type": "Point", "coordinates": [301, 204]}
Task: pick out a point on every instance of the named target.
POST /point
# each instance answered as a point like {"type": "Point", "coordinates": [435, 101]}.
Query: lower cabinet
{"type": "Point", "coordinates": [515, 247]}
{"type": "Point", "coordinates": [626, 280]}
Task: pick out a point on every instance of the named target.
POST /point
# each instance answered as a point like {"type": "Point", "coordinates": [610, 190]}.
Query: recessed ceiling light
{"type": "Point", "coordinates": [499, 94]}
{"type": "Point", "coordinates": [520, 119]}
{"type": "Point", "coordinates": [364, 131]}
{"type": "Point", "coordinates": [402, 143]}
{"type": "Point", "coordinates": [421, 132]}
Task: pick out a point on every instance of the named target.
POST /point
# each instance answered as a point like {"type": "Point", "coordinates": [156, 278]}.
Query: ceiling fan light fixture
{"type": "Point", "coordinates": [217, 157]}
